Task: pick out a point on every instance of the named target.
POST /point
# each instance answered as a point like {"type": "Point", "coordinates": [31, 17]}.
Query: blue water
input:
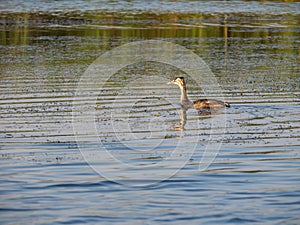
{"type": "Point", "coordinates": [55, 170]}
{"type": "Point", "coordinates": [137, 6]}
{"type": "Point", "coordinates": [250, 186]}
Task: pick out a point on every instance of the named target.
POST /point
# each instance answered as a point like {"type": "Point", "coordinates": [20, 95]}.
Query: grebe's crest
{"type": "Point", "coordinates": [178, 80]}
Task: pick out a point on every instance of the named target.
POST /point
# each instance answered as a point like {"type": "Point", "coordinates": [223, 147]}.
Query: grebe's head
{"type": "Point", "coordinates": [179, 81]}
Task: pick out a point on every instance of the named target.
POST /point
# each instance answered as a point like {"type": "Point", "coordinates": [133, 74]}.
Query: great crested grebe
{"type": "Point", "coordinates": [206, 104]}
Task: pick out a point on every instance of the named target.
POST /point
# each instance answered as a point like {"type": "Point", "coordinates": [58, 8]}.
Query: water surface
{"type": "Point", "coordinates": [251, 47]}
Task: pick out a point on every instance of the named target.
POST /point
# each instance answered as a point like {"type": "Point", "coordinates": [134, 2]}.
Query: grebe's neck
{"type": "Point", "coordinates": [184, 98]}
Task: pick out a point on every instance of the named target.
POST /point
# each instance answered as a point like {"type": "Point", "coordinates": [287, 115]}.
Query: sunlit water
{"type": "Point", "coordinates": [253, 50]}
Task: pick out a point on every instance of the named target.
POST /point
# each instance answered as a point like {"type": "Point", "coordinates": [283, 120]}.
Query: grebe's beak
{"type": "Point", "coordinates": [171, 82]}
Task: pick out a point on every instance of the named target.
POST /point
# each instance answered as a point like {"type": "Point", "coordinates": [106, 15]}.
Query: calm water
{"type": "Point", "coordinates": [47, 47]}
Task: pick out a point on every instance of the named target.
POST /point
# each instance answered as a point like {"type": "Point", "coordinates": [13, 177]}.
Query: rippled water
{"type": "Point", "coordinates": [158, 172]}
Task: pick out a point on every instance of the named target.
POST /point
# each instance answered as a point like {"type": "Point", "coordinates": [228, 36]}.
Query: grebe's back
{"type": "Point", "coordinates": [210, 104]}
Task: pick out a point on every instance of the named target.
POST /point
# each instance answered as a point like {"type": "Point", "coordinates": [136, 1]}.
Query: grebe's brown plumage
{"type": "Point", "coordinates": [207, 104]}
